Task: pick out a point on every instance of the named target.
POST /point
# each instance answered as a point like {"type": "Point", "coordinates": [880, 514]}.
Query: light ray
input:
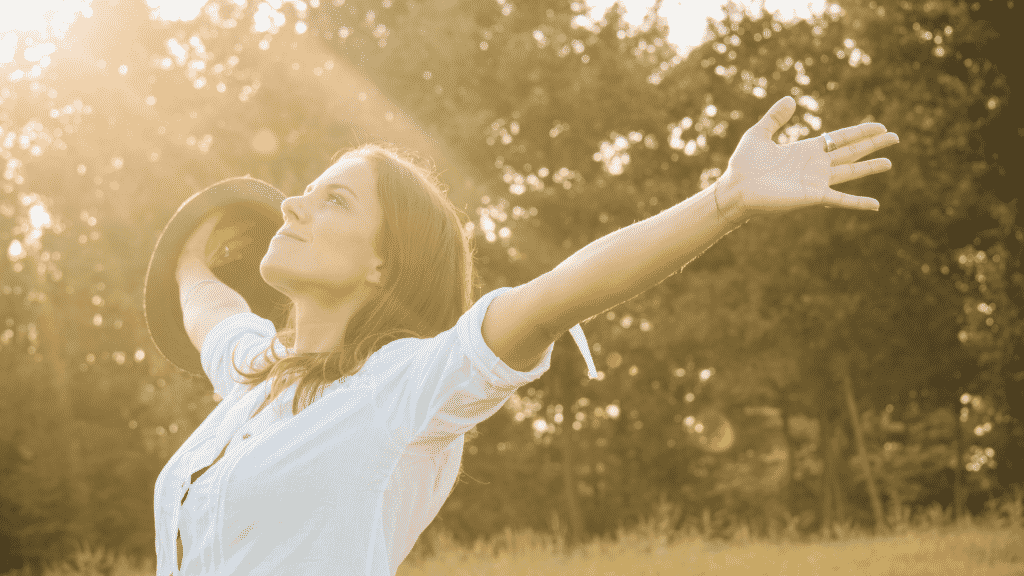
{"type": "Point", "coordinates": [48, 18]}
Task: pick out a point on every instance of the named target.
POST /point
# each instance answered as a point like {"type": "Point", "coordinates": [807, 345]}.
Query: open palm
{"type": "Point", "coordinates": [764, 176]}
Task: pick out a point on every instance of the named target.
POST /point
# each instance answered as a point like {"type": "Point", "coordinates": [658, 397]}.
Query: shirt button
{"type": "Point", "coordinates": [245, 436]}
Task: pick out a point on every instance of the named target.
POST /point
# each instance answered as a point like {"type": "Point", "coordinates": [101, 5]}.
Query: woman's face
{"type": "Point", "coordinates": [325, 250]}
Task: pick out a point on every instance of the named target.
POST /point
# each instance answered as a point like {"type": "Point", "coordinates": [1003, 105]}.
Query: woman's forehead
{"type": "Point", "coordinates": [356, 171]}
{"type": "Point", "coordinates": [355, 174]}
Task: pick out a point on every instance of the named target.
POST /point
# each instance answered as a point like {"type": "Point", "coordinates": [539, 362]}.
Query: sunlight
{"type": "Point", "coordinates": [50, 18]}
{"type": "Point", "coordinates": [687, 18]}
{"type": "Point", "coordinates": [171, 10]}
{"type": "Point", "coordinates": [8, 43]}
{"type": "Point", "coordinates": [39, 217]}
{"type": "Point", "coordinates": [43, 20]}
{"type": "Point", "coordinates": [15, 251]}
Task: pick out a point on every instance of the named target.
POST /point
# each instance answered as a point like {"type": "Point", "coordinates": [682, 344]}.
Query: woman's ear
{"type": "Point", "coordinates": [374, 277]}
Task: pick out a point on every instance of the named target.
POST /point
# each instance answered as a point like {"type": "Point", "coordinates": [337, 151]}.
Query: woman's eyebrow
{"type": "Point", "coordinates": [335, 186]}
{"type": "Point", "coordinates": [332, 186]}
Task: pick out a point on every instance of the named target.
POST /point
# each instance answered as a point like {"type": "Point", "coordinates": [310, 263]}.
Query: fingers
{"type": "Point", "coordinates": [236, 244]}
{"type": "Point", "coordinates": [223, 228]}
{"type": "Point", "coordinates": [203, 231]}
{"type": "Point", "coordinates": [852, 134]}
{"type": "Point", "coordinates": [853, 143]}
{"type": "Point", "coordinates": [836, 199]}
{"type": "Point", "coordinates": [214, 218]}
{"type": "Point", "coordinates": [863, 147]}
{"type": "Point", "coordinates": [205, 228]}
{"type": "Point", "coordinates": [847, 172]}
{"type": "Point", "coordinates": [777, 115]}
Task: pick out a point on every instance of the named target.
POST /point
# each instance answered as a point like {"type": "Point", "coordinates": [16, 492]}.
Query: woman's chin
{"type": "Point", "coordinates": [275, 276]}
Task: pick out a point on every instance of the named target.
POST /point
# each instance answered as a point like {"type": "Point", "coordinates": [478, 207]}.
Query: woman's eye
{"type": "Point", "coordinates": [336, 197]}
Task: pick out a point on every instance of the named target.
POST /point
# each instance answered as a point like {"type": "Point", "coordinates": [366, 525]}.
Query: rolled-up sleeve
{"type": "Point", "coordinates": [247, 336]}
{"type": "Point", "coordinates": [439, 388]}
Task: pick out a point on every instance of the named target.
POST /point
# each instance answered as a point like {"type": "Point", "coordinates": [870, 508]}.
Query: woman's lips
{"type": "Point", "coordinates": [290, 235]}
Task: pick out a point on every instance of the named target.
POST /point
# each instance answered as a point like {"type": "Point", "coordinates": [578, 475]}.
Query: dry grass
{"type": "Point", "coordinates": [930, 546]}
{"type": "Point", "coordinates": [990, 546]}
{"type": "Point", "coordinates": [964, 551]}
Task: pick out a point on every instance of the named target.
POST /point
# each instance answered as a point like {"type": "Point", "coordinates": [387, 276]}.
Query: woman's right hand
{"type": "Point", "coordinates": [205, 247]}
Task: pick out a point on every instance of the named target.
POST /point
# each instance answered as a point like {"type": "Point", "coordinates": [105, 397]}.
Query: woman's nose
{"type": "Point", "coordinates": [293, 209]}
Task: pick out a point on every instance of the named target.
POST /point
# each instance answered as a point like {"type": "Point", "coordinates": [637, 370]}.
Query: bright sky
{"type": "Point", "coordinates": [686, 18]}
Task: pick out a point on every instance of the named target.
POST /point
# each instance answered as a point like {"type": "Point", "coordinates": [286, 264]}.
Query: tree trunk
{"type": "Point", "coordinates": [576, 525]}
{"type": "Point", "coordinates": [838, 494]}
{"type": "Point", "coordinates": [565, 445]}
{"type": "Point", "coordinates": [959, 474]}
{"type": "Point", "coordinates": [61, 425]}
{"type": "Point", "coordinates": [788, 496]}
{"type": "Point", "coordinates": [825, 430]}
{"type": "Point", "coordinates": [858, 437]}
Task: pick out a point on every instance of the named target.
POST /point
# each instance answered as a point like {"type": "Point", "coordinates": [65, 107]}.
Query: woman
{"type": "Point", "coordinates": [384, 362]}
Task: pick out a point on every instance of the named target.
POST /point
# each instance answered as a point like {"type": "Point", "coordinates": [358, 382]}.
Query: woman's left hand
{"type": "Point", "coordinates": [764, 176]}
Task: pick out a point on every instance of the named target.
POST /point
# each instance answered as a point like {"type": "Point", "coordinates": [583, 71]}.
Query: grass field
{"type": "Point", "coordinates": [989, 546]}
{"type": "Point", "coordinates": [963, 551]}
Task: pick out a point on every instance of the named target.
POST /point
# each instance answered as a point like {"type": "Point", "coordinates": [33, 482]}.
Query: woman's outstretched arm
{"type": "Point", "coordinates": [602, 275]}
{"type": "Point", "coordinates": [762, 177]}
{"type": "Point", "coordinates": [633, 259]}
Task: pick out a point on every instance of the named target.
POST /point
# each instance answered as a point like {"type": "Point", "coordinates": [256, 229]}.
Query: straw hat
{"type": "Point", "coordinates": [244, 199]}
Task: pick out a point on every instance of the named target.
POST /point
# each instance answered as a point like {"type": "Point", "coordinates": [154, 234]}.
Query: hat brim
{"type": "Point", "coordinates": [244, 199]}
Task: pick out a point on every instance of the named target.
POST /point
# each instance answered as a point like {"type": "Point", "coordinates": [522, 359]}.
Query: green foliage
{"type": "Point", "coordinates": [551, 134]}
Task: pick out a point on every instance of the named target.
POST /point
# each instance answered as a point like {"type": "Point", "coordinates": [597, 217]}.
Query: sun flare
{"type": "Point", "coordinates": [48, 18]}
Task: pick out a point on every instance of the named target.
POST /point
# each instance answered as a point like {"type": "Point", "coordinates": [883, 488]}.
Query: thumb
{"type": "Point", "coordinates": [777, 115]}
{"type": "Point", "coordinates": [212, 219]}
{"type": "Point", "coordinates": [197, 242]}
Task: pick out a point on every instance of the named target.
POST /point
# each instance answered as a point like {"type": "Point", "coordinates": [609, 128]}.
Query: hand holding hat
{"type": "Point", "coordinates": [239, 215]}
{"type": "Point", "coordinates": [213, 246]}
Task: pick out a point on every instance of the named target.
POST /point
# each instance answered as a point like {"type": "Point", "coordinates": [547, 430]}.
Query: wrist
{"type": "Point", "coordinates": [728, 200]}
{"type": "Point", "coordinates": [192, 270]}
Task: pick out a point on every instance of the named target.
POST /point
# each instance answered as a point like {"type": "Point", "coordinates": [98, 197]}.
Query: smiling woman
{"type": "Point", "coordinates": [385, 363]}
{"type": "Point", "coordinates": [371, 251]}
{"type": "Point", "coordinates": [325, 258]}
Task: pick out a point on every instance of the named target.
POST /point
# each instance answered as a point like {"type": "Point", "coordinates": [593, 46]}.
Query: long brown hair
{"type": "Point", "coordinates": [426, 283]}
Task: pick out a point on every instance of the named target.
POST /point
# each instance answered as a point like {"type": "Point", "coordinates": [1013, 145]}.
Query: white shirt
{"type": "Point", "coordinates": [348, 484]}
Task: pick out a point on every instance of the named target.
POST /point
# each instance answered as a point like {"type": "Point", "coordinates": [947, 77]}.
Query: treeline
{"type": "Point", "coordinates": [820, 367]}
